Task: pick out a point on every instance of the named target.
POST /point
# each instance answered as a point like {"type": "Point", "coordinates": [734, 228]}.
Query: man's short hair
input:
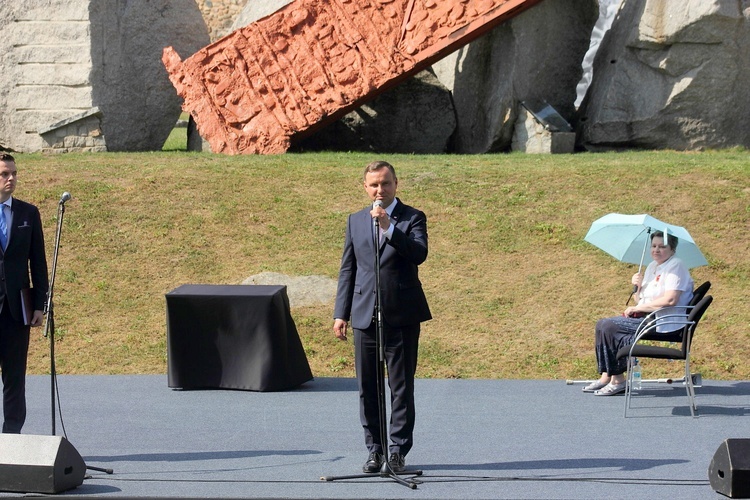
{"type": "Point", "coordinates": [7, 157]}
{"type": "Point", "coordinates": [377, 165]}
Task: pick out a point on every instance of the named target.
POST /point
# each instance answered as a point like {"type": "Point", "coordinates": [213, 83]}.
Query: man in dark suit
{"type": "Point", "coordinates": [402, 244]}
{"type": "Point", "coordinates": [21, 254]}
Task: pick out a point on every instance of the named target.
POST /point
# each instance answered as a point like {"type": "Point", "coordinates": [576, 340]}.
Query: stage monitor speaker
{"type": "Point", "coordinates": [729, 472]}
{"type": "Point", "coordinates": [39, 464]}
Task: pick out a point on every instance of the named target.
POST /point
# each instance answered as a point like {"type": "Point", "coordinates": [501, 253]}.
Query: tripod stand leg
{"type": "Point", "coordinates": [99, 469]}
{"type": "Point", "coordinates": [401, 481]}
{"type": "Point", "coordinates": [387, 472]}
{"type": "Point", "coordinates": [389, 475]}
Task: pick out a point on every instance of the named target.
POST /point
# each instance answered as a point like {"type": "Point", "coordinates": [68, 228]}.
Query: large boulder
{"type": "Point", "coordinates": [671, 74]}
{"type": "Point", "coordinates": [77, 70]}
{"type": "Point", "coordinates": [534, 56]}
{"type": "Point", "coordinates": [607, 12]}
{"type": "Point", "coordinates": [130, 84]}
{"type": "Point", "coordinates": [416, 117]}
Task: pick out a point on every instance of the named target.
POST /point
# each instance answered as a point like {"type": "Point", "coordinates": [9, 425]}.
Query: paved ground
{"type": "Point", "coordinates": [475, 439]}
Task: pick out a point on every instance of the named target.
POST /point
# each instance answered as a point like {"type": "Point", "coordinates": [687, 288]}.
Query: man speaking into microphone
{"type": "Point", "coordinates": [21, 254]}
{"type": "Point", "coordinates": [399, 233]}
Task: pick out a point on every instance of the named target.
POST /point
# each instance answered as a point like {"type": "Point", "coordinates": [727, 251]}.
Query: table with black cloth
{"type": "Point", "coordinates": [233, 337]}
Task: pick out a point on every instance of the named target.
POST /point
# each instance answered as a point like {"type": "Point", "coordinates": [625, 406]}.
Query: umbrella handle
{"type": "Point", "coordinates": [640, 265]}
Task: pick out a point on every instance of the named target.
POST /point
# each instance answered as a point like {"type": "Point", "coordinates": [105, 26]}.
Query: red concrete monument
{"type": "Point", "coordinates": [313, 61]}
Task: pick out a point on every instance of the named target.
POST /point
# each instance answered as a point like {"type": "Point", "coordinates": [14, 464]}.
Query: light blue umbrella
{"type": "Point", "coordinates": [626, 237]}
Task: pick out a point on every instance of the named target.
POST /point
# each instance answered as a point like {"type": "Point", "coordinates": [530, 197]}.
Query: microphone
{"type": "Point", "coordinates": [65, 197]}
{"type": "Point", "coordinates": [377, 203]}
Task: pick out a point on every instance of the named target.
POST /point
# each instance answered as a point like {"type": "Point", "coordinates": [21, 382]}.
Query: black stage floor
{"type": "Point", "coordinates": [475, 439]}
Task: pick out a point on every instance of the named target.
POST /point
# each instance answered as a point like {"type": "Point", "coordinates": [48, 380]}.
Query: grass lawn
{"type": "Point", "coordinates": [514, 289]}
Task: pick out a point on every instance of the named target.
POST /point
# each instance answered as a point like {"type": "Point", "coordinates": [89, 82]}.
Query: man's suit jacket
{"type": "Point", "coordinates": [24, 255]}
{"type": "Point", "coordinates": [403, 300]}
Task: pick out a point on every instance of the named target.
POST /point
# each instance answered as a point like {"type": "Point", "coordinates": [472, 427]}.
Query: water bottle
{"type": "Point", "coordinates": [636, 375]}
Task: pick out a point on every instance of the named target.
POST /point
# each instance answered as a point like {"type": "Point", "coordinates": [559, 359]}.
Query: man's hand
{"type": "Point", "coordinates": [381, 215]}
{"type": "Point", "coordinates": [37, 318]}
{"type": "Point", "coordinates": [339, 329]}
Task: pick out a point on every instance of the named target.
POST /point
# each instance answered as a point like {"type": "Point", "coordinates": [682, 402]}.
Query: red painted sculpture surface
{"type": "Point", "coordinates": [314, 60]}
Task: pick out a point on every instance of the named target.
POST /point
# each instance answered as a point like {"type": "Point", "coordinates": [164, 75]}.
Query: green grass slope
{"type": "Point", "coordinates": [514, 289]}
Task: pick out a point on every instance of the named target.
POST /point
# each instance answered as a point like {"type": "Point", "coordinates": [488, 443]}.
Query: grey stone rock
{"type": "Point", "coordinates": [64, 58]}
{"type": "Point", "coordinates": [301, 290]}
{"type": "Point", "coordinates": [607, 12]}
{"type": "Point", "coordinates": [671, 74]}
{"type": "Point", "coordinates": [552, 135]}
{"type": "Point", "coordinates": [415, 117]}
{"type": "Point", "coordinates": [129, 81]}
{"type": "Point", "coordinates": [536, 55]}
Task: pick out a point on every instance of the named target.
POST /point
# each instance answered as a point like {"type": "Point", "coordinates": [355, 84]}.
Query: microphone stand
{"type": "Point", "coordinates": [49, 326]}
{"type": "Point", "coordinates": [386, 471]}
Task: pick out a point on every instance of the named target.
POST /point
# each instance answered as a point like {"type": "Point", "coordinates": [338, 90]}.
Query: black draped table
{"type": "Point", "coordinates": [233, 337]}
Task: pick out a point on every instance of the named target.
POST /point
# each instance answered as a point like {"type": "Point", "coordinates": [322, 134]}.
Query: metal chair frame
{"type": "Point", "coordinates": [685, 317]}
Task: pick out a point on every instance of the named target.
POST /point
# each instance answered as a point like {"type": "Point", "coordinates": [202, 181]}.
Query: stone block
{"type": "Point", "coordinates": [79, 133]}
{"type": "Point", "coordinates": [531, 136]}
{"type": "Point", "coordinates": [667, 75]}
{"type": "Point", "coordinates": [537, 54]}
{"type": "Point", "coordinates": [63, 56]}
{"type": "Point", "coordinates": [54, 56]}
{"type": "Point", "coordinates": [29, 97]}
{"type": "Point", "coordinates": [56, 75]}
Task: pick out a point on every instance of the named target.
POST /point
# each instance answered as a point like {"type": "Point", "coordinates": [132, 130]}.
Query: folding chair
{"type": "Point", "coordinates": [668, 318]}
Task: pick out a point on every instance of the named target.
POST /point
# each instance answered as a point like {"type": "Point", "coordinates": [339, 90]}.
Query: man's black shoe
{"type": "Point", "coordinates": [397, 462]}
{"type": "Point", "coordinates": [374, 462]}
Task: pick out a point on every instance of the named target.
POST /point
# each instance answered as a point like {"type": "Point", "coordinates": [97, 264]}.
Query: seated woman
{"type": "Point", "coordinates": [665, 283]}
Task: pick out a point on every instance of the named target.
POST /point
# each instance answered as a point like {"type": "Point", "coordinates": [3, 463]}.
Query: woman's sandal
{"type": "Point", "coordinates": [611, 389]}
{"type": "Point", "coordinates": [595, 386]}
